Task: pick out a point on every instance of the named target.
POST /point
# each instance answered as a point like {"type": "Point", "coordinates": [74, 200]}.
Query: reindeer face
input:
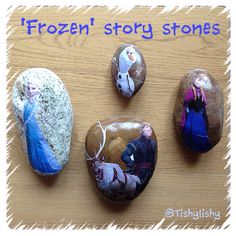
{"type": "Point", "coordinates": [97, 169]}
{"type": "Point", "coordinates": [96, 164]}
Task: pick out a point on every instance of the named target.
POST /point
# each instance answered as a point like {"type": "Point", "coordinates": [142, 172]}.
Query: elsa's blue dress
{"type": "Point", "coordinates": [40, 154]}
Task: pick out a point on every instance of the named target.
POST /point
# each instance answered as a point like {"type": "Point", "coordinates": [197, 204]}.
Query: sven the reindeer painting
{"type": "Point", "coordinates": [122, 157]}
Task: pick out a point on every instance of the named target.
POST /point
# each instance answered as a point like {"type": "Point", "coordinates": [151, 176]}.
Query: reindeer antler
{"type": "Point", "coordinates": [88, 158]}
{"type": "Point", "coordinates": [101, 145]}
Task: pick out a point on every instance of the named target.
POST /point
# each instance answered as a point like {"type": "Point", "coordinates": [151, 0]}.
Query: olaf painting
{"type": "Point", "coordinates": [44, 116]}
{"type": "Point", "coordinates": [128, 70]}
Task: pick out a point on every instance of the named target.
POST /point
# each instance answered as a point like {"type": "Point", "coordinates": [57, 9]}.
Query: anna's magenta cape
{"type": "Point", "coordinates": [191, 94]}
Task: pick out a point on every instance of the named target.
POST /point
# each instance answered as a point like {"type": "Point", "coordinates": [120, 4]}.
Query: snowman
{"type": "Point", "coordinates": [125, 83]}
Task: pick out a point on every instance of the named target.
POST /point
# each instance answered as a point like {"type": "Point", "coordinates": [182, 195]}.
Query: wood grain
{"type": "Point", "coordinates": [181, 180]}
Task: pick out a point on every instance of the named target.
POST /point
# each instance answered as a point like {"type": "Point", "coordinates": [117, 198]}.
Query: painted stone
{"type": "Point", "coordinates": [128, 70]}
{"type": "Point", "coordinates": [199, 111]}
{"type": "Point", "coordinates": [121, 154]}
{"type": "Point", "coordinates": [43, 113]}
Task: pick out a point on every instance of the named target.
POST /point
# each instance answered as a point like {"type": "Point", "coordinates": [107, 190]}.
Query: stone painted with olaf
{"type": "Point", "coordinates": [43, 113]}
{"type": "Point", "coordinates": [128, 70]}
{"type": "Point", "coordinates": [199, 111]}
{"type": "Point", "coordinates": [121, 154]}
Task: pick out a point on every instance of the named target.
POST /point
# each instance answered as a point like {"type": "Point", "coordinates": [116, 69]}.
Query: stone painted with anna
{"type": "Point", "coordinates": [43, 112]}
{"type": "Point", "coordinates": [199, 111]}
{"type": "Point", "coordinates": [121, 154]}
{"type": "Point", "coordinates": [128, 70]}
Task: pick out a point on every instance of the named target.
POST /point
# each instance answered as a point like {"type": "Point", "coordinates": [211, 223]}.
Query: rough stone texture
{"type": "Point", "coordinates": [137, 71]}
{"type": "Point", "coordinates": [214, 108]}
{"type": "Point", "coordinates": [54, 114]}
{"type": "Point", "coordinates": [119, 132]}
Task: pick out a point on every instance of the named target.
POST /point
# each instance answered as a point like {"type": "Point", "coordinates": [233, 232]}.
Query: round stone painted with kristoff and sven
{"type": "Point", "coordinates": [128, 70]}
{"type": "Point", "coordinates": [121, 154]}
{"type": "Point", "coordinates": [43, 112]}
{"type": "Point", "coordinates": [199, 111]}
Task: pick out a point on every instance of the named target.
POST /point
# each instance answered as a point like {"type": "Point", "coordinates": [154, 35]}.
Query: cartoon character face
{"type": "Point", "coordinates": [200, 80]}
{"type": "Point", "coordinates": [147, 131]}
{"type": "Point", "coordinates": [130, 54]}
{"type": "Point", "coordinates": [32, 89]}
{"type": "Point", "coordinates": [127, 58]}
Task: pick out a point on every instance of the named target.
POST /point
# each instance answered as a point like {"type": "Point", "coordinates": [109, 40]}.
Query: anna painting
{"type": "Point", "coordinates": [194, 121]}
{"type": "Point", "coordinates": [40, 154]}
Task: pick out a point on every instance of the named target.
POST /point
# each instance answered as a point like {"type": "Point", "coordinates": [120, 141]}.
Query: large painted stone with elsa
{"type": "Point", "coordinates": [199, 111]}
{"type": "Point", "coordinates": [121, 155]}
{"type": "Point", "coordinates": [128, 70]}
{"type": "Point", "coordinates": [43, 113]}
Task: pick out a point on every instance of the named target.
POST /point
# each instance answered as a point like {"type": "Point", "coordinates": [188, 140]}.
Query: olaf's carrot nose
{"type": "Point", "coordinates": [131, 57]}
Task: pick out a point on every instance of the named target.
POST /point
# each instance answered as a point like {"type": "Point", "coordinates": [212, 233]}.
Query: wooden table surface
{"type": "Point", "coordinates": [181, 180]}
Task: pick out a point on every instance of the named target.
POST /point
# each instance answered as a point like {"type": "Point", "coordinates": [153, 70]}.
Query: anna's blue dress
{"type": "Point", "coordinates": [40, 154]}
{"type": "Point", "coordinates": [195, 129]}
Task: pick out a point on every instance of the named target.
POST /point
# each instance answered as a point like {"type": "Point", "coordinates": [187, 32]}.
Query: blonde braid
{"type": "Point", "coordinates": [203, 94]}
{"type": "Point", "coordinates": [194, 92]}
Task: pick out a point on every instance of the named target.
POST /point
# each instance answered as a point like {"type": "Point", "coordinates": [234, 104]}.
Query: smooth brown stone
{"type": "Point", "coordinates": [205, 126]}
{"type": "Point", "coordinates": [119, 178]}
{"type": "Point", "coordinates": [128, 70]}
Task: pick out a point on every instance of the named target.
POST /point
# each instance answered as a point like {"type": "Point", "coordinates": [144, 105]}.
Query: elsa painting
{"type": "Point", "coordinates": [40, 154]}
{"type": "Point", "coordinates": [194, 121]}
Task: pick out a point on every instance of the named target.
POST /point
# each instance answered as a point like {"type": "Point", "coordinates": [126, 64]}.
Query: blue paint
{"type": "Point", "coordinates": [40, 154]}
{"type": "Point", "coordinates": [145, 30]}
{"type": "Point", "coordinates": [52, 29]}
{"type": "Point", "coordinates": [216, 29]}
{"type": "Point", "coordinates": [33, 25]}
{"type": "Point", "coordinates": [195, 132]}
{"type": "Point", "coordinates": [193, 29]}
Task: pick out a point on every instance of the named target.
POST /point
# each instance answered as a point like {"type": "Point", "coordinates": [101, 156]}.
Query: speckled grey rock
{"type": "Point", "coordinates": [43, 113]}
